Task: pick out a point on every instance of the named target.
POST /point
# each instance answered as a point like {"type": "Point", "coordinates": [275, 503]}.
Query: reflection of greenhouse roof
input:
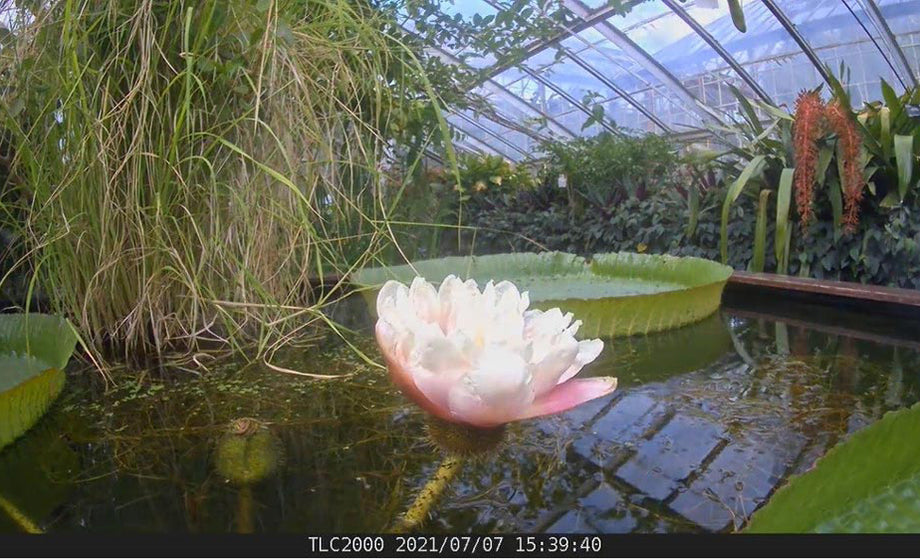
{"type": "Point", "coordinates": [667, 65]}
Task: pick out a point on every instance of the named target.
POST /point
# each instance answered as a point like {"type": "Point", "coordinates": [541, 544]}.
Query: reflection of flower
{"type": "Point", "coordinates": [481, 358]}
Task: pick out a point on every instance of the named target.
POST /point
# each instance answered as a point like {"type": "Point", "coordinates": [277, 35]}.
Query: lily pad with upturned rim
{"type": "Point", "coordinates": [34, 349]}
{"type": "Point", "coordinates": [613, 294]}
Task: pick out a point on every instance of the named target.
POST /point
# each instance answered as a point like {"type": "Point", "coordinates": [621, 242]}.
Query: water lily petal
{"type": "Point", "coordinates": [387, 297]}
{"type": "Point", "coordinates": [569, 395]}
{"type": "Point", "coordinates": [455, 295]}
{"type": "Point", "coordinates": [588, 351]}
{"type": "Point", "coordinates": [508, 298]}
{"type": "Point", "coordinates": [498, 390]}
{"type": "Point", "coordinates": [573, 328]}
{"type": "Point", "coordinates": [546, 323]}
{"type": "Point", "coordinates": [393, 344]}
{"type": "Point", "coordinates": [404, 380]}
{"type": "Point", "coordinates": [424, 300]}
{"type": "Point", "coordinates": [554, 363]}
{"type": "Point", "coordinates": [525, 302]}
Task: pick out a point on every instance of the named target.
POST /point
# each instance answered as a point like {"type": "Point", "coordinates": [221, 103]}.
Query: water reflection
{"type": "Point", "coordinates": [707, 422]}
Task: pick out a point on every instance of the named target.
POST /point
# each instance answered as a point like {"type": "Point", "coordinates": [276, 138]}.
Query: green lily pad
{"type": "Point", "coordinates": [613, 294]}
{"type": "Point", "coordinates": [34, 349]}
{"type": "Point", "coordinates": [868, 484]}
{"type": "Point", "coordinates": [46, 337]}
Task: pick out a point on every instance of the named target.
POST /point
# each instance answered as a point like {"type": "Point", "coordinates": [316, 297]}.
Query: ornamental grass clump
{"type": "Point", "coordinates": [186, 168]}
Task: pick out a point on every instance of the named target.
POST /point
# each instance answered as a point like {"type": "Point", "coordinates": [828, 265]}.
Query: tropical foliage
{"type": "Point", "coordinates": [824, 163]}
{"type": "Point", "coordinates": [606, 169]}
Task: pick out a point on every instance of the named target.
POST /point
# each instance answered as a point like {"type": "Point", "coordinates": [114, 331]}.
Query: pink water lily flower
{"type": "Point", "coordinates": [482, 358]}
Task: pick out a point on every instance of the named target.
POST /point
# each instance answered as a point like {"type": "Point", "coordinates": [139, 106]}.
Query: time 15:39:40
{"type": "Point", "coordinates": [559, 543]}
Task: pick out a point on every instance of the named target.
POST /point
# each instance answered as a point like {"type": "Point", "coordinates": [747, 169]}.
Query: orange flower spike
{"type": "Point", "coordinates": [850, 142]}
{"type": "Point", "coordinates": [809, 117]}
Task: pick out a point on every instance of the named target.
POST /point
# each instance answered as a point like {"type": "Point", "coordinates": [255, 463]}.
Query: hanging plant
{"type": "Point", "coordinates": [849, 144]}
{"type": "Point", "coordinates": [808, 129]}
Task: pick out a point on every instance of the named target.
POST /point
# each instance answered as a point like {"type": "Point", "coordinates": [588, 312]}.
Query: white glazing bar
{"type": "Point", "coordinates": [622, 93]}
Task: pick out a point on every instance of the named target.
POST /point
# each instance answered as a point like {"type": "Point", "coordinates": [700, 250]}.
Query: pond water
{"type": "Point", "coordinates": [707, 422]}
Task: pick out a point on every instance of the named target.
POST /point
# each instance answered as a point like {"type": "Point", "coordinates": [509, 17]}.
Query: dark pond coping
{"type": "Point", "coordinates": [874, 300]}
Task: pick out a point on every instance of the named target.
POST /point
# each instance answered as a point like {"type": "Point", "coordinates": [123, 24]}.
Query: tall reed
{"type": "Point", "coordinates": [183, 169]}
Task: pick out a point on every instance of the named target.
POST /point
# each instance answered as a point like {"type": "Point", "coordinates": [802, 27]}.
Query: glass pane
{"type": "Point", "coordinates": [520, 111]}
{"type": "Point", "coordinates": [766, 51]}
{"type": "Point", "coordinates": [515, 143]}
{"type": "Point", "coordinates": [838, 38]}
{"type": "Point", "coordinates": [903, 17]}
{"type": "Point", "coordinates": [543, 98]}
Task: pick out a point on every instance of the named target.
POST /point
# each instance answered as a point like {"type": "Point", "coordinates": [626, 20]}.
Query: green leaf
{"type": "Point", "coordinates": [760, 232]}
{"type": "Point", "coordinates": [734, 191]}
{"type": "Point", "coordinates": [825, 155]}
{"type": "Point", "coordinates": [904, 156]}
{"type": "Point", "coordinates": [749, 112]}
{"type": "Point", "coordinates": [892, 101]}
{"type": "Point", "coordinates": [693, 200]}
{"type": "Point", "coordinates": [615, 294]}
{"type": "Point", "coordinates": [866, 484]}
{"type": "Point", "coordinates": [783, 233]}
{"type": "Point", "coordinates": [834, 194]}
{"type": "Point", "coordinates": [28, 386]}
{"type": "Point", "coordinates": [884, 116]}
{"type": "Point", "coordinates": [737, 12]}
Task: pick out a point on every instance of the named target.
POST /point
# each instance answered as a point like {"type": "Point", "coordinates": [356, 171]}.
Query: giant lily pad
{"type": "Point", "coordinates": [868, 484]}
{"type": "Point", "coordinates": [614, 294]}
{"type": "Point", "coordinates": [34, 349]}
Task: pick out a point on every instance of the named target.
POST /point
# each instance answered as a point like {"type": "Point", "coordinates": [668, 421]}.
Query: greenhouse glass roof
{"type": "Point", "coordinates": [667, 65]}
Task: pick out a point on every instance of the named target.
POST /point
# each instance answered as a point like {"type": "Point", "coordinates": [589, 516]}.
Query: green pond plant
{"type": "Point", "coordinates": [614, 294]}
{"type": "Point", "coordinates": [247, 454]}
